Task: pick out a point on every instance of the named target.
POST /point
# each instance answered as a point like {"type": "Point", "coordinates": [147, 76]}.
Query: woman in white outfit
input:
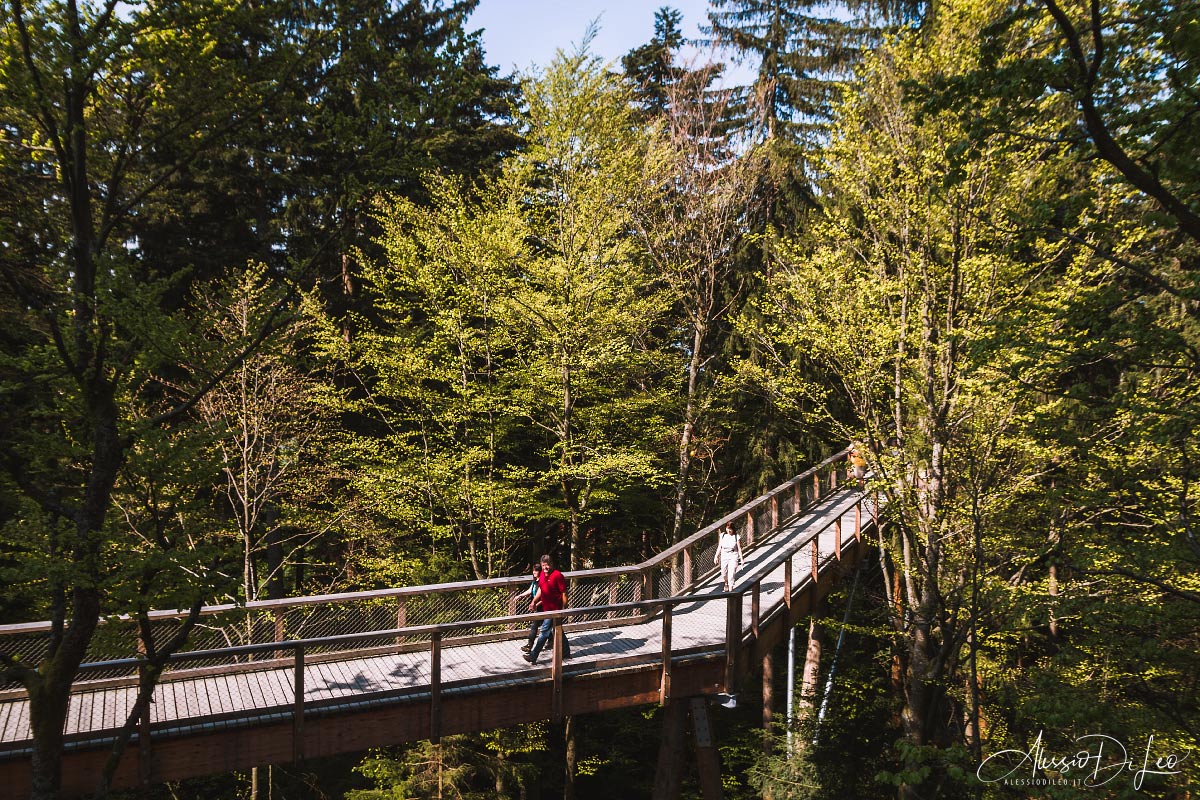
{"type": "Point", "coordinates": [729, 555]}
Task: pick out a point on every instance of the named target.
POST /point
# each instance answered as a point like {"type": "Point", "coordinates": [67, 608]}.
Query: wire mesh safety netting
{"type": "Point", "coordinates": [397, 612]}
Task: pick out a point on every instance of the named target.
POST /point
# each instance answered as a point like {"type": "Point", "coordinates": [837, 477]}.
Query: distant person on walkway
{"type": "Point", "coordinates": [535, 605]}
{"type": "Point", "coordinates": [858, 465]}
{"type": "Point", "coordinates": [728, 555]}
{"type": "Point", "coordinates": [552, 590]}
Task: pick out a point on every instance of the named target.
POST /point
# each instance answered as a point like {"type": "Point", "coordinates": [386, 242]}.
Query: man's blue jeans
{"type": "Point", "coordinates": [544, 636]}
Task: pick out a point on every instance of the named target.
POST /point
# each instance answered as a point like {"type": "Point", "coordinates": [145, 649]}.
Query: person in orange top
{"type": "Point", "coordinates": [552, 591]}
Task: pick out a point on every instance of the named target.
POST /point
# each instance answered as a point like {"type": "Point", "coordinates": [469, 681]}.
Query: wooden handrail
{"type": "Point", "coordinates": [745, 583]}
{"type": "Point", "coordinates": [488, 583]}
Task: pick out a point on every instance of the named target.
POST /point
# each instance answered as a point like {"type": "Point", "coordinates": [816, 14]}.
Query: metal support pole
{"type": "Point", "coordinates": [791, 685]}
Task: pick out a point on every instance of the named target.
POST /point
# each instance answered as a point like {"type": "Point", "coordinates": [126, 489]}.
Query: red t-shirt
{"type": "Point", "coordinates": [553, 587]}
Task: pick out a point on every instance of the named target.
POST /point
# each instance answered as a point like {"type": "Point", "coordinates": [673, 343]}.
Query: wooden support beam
{"type": "Point", "coordinates": [664, 692]}
{"type": "Point", "coordinates": [708, 759]}
{"type": "Point", "coordinates": [774, 512]}
{"type": "Point", "coordinates": [668, 775]}
{"type": "Point", "coordinates": [816, 562]}
{"type": "Point", "coordinates": [733, 639]}
{"type": "Point", "coordinates": [837, 538]}
{"type": "Point", "coordinates": [858, 520]}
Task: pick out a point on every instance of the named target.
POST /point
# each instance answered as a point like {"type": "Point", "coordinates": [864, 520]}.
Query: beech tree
{"type": "Point", "coordinates": [899, 292]}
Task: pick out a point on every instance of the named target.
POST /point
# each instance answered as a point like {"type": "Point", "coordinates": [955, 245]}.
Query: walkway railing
{"type": "Point", "coordinates": [326, 627]}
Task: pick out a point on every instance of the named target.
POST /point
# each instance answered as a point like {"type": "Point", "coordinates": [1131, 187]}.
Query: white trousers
{"type": "Point", "coordinates": [729, 566]}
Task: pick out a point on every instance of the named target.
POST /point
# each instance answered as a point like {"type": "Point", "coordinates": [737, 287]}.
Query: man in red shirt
{"type": "Point", "coordinates": [552, 592]}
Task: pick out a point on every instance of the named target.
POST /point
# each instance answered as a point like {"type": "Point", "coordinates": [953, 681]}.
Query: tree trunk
{"type": "Point", "coordinates": [569, 763]}
{"type": "Point", "coordinates": [810, 676]}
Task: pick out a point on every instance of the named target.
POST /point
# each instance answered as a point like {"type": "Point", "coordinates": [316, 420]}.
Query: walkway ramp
{"type": "Point", "coordinates": [278, 681]}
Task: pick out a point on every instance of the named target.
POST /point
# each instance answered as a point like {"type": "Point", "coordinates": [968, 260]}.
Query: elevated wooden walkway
{"type": "Point", "coordinates": [316, 676]}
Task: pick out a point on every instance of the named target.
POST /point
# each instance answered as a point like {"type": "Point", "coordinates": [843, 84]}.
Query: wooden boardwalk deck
{"type": "Point", "coordinates": [264, 698]}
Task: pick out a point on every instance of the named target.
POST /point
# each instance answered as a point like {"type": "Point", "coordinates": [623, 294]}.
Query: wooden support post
{"type": "Point", "coordinates": [733, 638]}
{"type": "Point", "coordinates": [750, 529]}
{"type": "Point", "coordinates": [816, 561]}
{"type": "Point", "coordinates": [668, 775]}
{"type": "Point", "coordinates": [798, 488]}
{"type": "Point", "coordinates": [687, 567]}
{"type": "Point", "coordinates": [298, 707]}
{"type": "Point", "coordinates": [279, 631]}
{"type": "Point", "coordinates": [833, 478]}
{"type": "Point", "coordinates": [708, 760]}
{"type": "Point", "coordinates": [556, 671]}
{"type": "Point", "coordinates": [837, 538]}
{"type": "Point", "coordinates": [435, 687]}
{"type": "Point", "coordinates": [755, 598]}
{"type": "Point", "coordinates": [816, 487]}
{"type": "Point", "coordinates": [774, 512]}
{"type": "Point", "coordinates": [402, 616]}
{"type": "Point", "coordinates": [612, 595]}
{"type": "Point", "coordinates": [145, 749]}
{"type": "Point", "coordinates": [858, 520]}
{"type": "Point", "coordinates": [664, 686]}
{"type": "Point", "coordinates": [647, 586]}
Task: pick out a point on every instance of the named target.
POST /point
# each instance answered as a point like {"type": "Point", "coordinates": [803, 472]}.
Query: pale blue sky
{"type": "Point", "coordinates": [521, 34]}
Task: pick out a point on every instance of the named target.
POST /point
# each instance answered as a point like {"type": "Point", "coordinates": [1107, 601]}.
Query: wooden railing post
{"type": "Point", "coordinates": [664, 686]}
{"type": "Point", "coordinates": [612, 595]}
{"type": "Point", "coordinates": [647, 586]}
{"type": "Point", "coordinates": [279, 631]}
{"type": "Point", "coordinates": [755, 604]}
{"type": "Point", "coordinates": [858, 520]}
{"type": "Point", "coordinates": [402, 616]}
{"type": "Point", "coordinates": [787, 582]}
{"type": "Point", "coordinates": [298, 707]}
{"type": "Point", "coordinates": [798, 488]}
{"type": "Point", "coordinates": [816, 487]}
{"type": "Point", "coordinates": [435, 687]}
{"type": "Point", "coordinates": [687, 567]}
{"type": "Point", "coordinates": [556, 671]}
{"type": "Point", "coordinates": [837, 538]}
{"type": "Point", "coordinates": [816, 563]}
{"type": "Point", "coordinates": [750, 528]}
{"type": "Point", "coordinates": [733, 638]}
{"type": "Point", "coordinates": [145, 750]}
{"type": "Point", "coordinates": [774, 512]}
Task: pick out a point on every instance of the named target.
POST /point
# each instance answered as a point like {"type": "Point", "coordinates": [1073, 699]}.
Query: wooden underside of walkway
{"type": "Point", "coordinates": [224, 722]}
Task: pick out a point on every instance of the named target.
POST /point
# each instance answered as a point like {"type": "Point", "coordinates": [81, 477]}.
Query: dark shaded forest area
{"type": "Point", "coordinates": [305, 297]}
